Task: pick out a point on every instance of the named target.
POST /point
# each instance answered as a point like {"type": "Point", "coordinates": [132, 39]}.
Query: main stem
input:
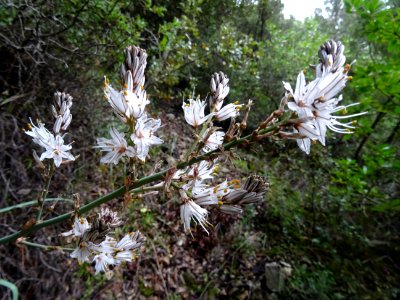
{"type": "Point", "coordinates": [45, 191]}
{"type": "Point", "coordinates": [132, 165]}
{"type": "Point", "coordinates": [136, 187]}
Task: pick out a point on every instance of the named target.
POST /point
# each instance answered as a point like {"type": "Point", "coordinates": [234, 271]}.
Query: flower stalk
{"type": "Point", "coordinates": [199, 138]}
{"type": "Point", "coordinates": [44, 247]}
{"type": "Point", "coordinates": [45, 191]}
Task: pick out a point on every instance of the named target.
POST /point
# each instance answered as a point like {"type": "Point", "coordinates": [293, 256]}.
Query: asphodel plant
{"type": "Point", "coordinates": [304, 115]}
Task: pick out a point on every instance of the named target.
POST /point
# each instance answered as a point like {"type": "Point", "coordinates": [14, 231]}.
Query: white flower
{"type": "Point", "coordinates": [80, 226]}
{"type": "Point", "coordinates": [144, 137]}
{"type": "Point", "coordinates": [137, 101]}
{"type": "Point", "coordinates": [315, 102]}
{"type": "Point", "coordinates": [190, 210]}
{"type": "Point", "coordinates": [324, 120]}
{"type": "Point", "coordinates": [54, 146]}
{"type": "Point", "coordinates": [130, 241]}
{"type": "Point", "coordinates": [40, 134]}
{"type": "Point", "coordinates": [195, 186]}
{"type": "Point", "coordinates": [303, 143]}
{"type": "Point", "coordinates": [56, 150]}
{"type": "Point", "coordinates": [228, 111]}
{"type": "Point", "coordinates": [125, 249]}
{"type": "Point", "coordinates": [83, 251]}
{"type": "Point", "coordinates": [213, 141]}
{"type": "Point", "coordinates": [103, 260]}
{"type": "Point", "coordinates": [329, 86]}
{"type": "Point", "coordinates": [128, 105]}
{"type": "Point", "coordinates": [302, 104]}
{"type": "Point", "coordinates": [202, 170]}
{"type": "Point", "coordinates": [128, 246]}
{"type": "Point", "coordinates": [108, 245]}
{"type": "Point", "coordinates": [194, 112]}
{"type": "Point", "coordinates": [214, 195]}
{"type": "Point", "coordinates": [122, 256]}
{"type": "Point", "coordinates": [309, 131]}
{"type": "Point", "coordinates": [117, 147]}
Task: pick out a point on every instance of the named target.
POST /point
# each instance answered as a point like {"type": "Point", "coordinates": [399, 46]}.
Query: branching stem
{"type": "Point", "coordinates": [136, 187]}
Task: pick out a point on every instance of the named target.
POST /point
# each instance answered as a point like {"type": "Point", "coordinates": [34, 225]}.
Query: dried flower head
{"type": "Point", "coordinates": [109, 218]}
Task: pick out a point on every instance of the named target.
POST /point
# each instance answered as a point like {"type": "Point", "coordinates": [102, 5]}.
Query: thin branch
{"type": "Point", "coordinates": [32, 202]}
{"type": "Point", "coordinates": [77, 13]}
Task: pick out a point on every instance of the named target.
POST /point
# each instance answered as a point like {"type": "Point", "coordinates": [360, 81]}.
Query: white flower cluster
{"type": "Point", "coordinates": [196, 192]}
{"type": "Point", "coordinates": [316, 102]}
{"type": "Point", "coordinates": [95, 245]}
{"type": "Point", "coordinates": [53, 142]}
{"type": "Point", "coordinates": [194, 111]}
{"type": "Point", "coordinates": [129, 105]}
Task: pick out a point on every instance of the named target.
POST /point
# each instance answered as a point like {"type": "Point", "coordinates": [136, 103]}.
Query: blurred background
{"type": "Point", "coordinates": [329, 225]}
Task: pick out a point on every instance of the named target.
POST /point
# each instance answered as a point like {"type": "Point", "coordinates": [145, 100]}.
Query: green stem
{"type": "Point", "coordinates": [32, 202]}
{"type": "Point", "coordinates": [45, 247]}
{"type": "Point", "coordinates": [132, 165]}
{"type": "Point", "coordinates": [45, 191]}
{"type": "Point", "coordinates": [200, 136]}
{"type": "Point", "coordinates": [136, 187]}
